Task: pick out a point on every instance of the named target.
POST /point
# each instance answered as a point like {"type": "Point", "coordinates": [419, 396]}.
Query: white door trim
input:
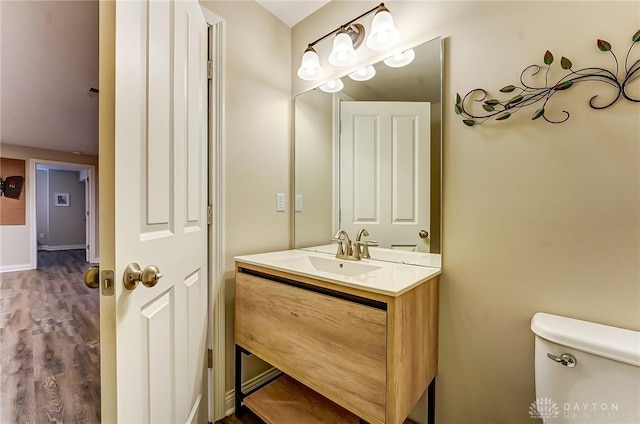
{"type": "Point", "coordinates": [91, 236]}
{"type": "Point", "coordinates": [217, 329]}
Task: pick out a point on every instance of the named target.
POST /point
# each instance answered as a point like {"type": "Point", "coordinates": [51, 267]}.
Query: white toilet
{"type": "Point", "coordinates": [585, 372]}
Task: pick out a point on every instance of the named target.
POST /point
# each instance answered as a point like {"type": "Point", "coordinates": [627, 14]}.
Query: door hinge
{"type": "Point", "coordinates": [209, 358]}
{"type": "Point", "coordinates": [209, 214]}
{"type": "Point", "coordinates": [210, 69]}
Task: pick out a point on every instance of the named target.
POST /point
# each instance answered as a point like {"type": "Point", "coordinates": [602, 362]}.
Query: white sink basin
{"type": "Point", "coordinates": [377, 276]}
{"type": "Point", "coordinates": [330, 265]}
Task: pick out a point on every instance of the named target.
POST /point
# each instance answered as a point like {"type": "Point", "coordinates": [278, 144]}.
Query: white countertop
{"type": "Point", "coordinates": [387, 278]}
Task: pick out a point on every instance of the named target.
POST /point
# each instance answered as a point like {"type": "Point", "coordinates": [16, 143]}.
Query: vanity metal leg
{"type": "Point", "coordinates": [238, 382]}
{"type": "Point", "coordinates": [431, 402]}
{"type": "Point", "coordinates": [240, 395]}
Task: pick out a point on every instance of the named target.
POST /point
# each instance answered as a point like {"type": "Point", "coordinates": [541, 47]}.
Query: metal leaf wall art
{"type": "Point", "coordinates": [527, 94]}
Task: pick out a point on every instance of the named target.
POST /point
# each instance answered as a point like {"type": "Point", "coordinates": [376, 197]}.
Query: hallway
{"type": "Point", "coordinates": [49, 343]}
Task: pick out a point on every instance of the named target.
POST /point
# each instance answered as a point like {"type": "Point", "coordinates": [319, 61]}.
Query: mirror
{"type": "Point", "coordinates": [341, 182]}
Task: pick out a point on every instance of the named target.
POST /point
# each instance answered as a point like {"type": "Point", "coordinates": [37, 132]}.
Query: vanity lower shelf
{"type": "Point", "coordinates": [287, 401]}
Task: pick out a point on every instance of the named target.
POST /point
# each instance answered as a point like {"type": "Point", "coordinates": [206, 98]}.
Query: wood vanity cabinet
{"type": "Point", "coordinates": [373, 354]}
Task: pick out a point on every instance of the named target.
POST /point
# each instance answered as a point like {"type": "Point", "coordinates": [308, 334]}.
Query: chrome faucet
{"type": "Point", "coordinates": [362, 247]}
{"type": "Point", "coordinates": [345, 247]}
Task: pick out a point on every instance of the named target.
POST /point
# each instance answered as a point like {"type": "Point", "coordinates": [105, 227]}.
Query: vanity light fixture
{"type": "Point", "coordinates": [400, 59]}
{"type": "Point", "coordinates": [343, 53]}
{"type": "Point", "coordinates": [310, 68]}
{"type": "Point", "coordinates": [383, 32]}
{"type": "Point", "coordinates": [348, 37]}
{"type": "Point", "coordinates": [363, 74]}
{"type": "Point", "coordinates": [332, 86]}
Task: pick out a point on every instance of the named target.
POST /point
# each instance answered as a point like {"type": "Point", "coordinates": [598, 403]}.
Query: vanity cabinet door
{"type": "Point", "coordinates": [334, 346]}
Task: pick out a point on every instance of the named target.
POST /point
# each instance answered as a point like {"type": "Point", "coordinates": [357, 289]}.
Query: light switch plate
{"type": "Point", "coordinates": [298, 202]}
{"type": "Point", "coordinates": [280, 202]}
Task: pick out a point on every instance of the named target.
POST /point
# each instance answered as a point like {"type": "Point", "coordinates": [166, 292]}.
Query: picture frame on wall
{"type": "Point", "coordinates": [62, 199]}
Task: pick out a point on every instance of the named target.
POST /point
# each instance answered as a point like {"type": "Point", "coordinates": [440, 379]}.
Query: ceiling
{"type": "Point", "coordinates": [292, 11]}
{"type": "Point", "coordinates": [49, 62]}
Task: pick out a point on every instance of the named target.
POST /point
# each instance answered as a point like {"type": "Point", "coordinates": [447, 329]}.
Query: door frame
{"type": "Point", "coordinates": [338, 98]}
{"type": "Point", "coordinates": [91, 236]}
{"type": "Point", "coordinates": [216, 135]}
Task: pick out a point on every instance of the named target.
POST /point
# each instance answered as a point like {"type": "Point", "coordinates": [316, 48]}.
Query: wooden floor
{"type": "Point", "coordinates": [49, 343]}
{"type": "Point", "coordinates": [250, 418]}
{"type": "Point", "coordinates": [247, 418]}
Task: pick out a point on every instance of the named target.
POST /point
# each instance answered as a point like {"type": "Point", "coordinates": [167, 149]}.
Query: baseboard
{"type": "Point", "coordinates": [13, 268]}
{"type": "Point", "coordinates": [61, 247]}
{"type": "Point", "coordinates": [230, 396]}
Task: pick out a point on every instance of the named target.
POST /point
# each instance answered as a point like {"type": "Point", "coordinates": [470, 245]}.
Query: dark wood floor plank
{"type": "Point", "coordinates": [247, 418]}
{"type": "Point", "coordinates": [48, 356]}
{"type": "Point", "coordinates": [16, 350]}
{"type": "Point", "coordinates": [82, 401]}
{"type": "Point", "coordinates": [17, 315]}
{"type": "Point", "coordinates": [17, 403]}
{"type": "Point", "coordinates": [49, 404]}
{"type": "Point", "coordinates": [16, 377]}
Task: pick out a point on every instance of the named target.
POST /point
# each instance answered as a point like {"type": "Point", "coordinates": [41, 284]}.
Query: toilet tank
{"type": "Point", "coordinates": [602, 385]}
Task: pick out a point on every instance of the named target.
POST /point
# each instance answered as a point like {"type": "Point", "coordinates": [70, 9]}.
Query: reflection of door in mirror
{"type": "Point", "coordinates": [384, 172]}
{"type": "Point", "coordinates": [317, 157]}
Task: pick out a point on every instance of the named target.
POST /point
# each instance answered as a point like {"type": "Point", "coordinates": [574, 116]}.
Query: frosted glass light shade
{"type": "Point", "coordinates": [343, 53]}
{"type": "Point", "coordinates": [310, 68]}
{"type": "Point", "coordinates": [383, 32]}
{"type": "Point", "coordinates": [363, 74]}
{"type": "Point", "coordinates": [332, 86]}
{"type": "Point", "coordinates": [401, 59]}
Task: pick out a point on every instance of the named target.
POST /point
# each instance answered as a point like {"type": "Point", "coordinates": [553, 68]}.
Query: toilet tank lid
{"type": "Point", "coordinates": [614, 343]}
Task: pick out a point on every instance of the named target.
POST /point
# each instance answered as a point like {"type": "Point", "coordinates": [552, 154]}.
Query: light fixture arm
{"type": "Point", "coordinates": [346, 25]}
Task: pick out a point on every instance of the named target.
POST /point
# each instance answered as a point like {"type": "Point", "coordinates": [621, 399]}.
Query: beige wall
{"type": "Point", "coordinates": [42, 207]}
{"type": "Point", "coordinates": [313, 132]}
{"type": "Point", "coordinates": [66, 225]}
{"type": "Point", "coordinates": [537, 217]}
{"type": "Point", "coordinates": [15, 249]}
{"type": "Point", "coordinates": [257, 140]}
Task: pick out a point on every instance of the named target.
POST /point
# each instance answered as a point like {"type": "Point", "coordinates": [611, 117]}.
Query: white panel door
{"type": "Point", "coordinates": [161, 209]}
{"type": "Point", "coordinates": [384, 172]}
